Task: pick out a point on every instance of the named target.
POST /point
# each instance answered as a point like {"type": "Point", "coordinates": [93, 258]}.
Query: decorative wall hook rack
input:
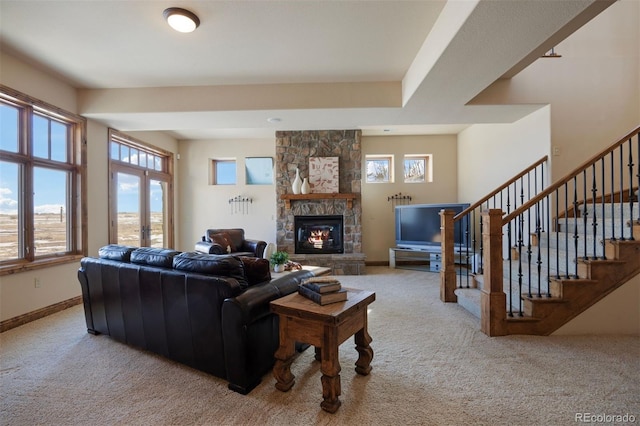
{"type": "Point", "coordinates": [240, 204]}
{"type": "Point", "coordinates": [399, 199]}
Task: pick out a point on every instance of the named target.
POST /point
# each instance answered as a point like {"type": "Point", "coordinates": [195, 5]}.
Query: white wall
{"type": "Point", "coordinates": [204, 206]}
{"type": "Point", "coordinates": [378, 232]}
{"type": "Point", "coordinates": [490, 154]}
{"type": "Point", "coordinates": [593, 89]}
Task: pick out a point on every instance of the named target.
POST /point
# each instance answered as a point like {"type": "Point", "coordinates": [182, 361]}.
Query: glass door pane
{"type": "Point", "coordinates": [128, 215]}
{"type": "Point", "coordinates": [157, 203]}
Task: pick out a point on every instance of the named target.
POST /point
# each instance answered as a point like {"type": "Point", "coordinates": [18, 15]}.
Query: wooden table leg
{"type": "Point", "coordinates": [330, 369]}
{"type": "Point", "coordinates": [284, 358]}
{"type": "Point", "coordinates": [362, 339]}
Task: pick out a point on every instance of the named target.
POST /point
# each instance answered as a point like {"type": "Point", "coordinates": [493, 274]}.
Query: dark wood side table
{"type": "Point", "coordinates": [325, 327]}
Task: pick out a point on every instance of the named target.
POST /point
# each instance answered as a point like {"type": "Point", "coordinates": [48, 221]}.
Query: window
{"type": "Point", "coordinates": [223, 171]}
{"type": "Point", "coordinates": [42, 183]}
{"type": "Point", "coordinates": [379, 168]}
{"type": "Point", "coordinates": [141, 193]}
{"type": "Point", "coordinates": [417, 168]}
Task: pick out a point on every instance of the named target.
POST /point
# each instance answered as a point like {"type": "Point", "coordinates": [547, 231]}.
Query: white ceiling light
{"type": "Point", "coordinates": [181, 19]}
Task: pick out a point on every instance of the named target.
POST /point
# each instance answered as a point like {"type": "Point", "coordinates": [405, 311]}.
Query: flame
{"type": "Point", "coordinates": [318, 237]}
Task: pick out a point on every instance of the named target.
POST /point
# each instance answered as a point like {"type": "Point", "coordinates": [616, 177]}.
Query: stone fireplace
{"type": "Point", "coordinates": [293, 150]}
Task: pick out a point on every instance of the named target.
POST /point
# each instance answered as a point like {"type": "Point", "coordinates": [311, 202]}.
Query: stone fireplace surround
{"type": "Point", "coordinates": [293, 149]}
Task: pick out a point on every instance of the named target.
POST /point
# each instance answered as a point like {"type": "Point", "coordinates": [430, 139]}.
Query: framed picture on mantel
{"type": "Point", "coordinates": [324, 176]}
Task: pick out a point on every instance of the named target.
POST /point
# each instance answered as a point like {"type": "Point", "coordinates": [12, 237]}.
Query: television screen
{"type": "Point", "coordinates": [418, 225]}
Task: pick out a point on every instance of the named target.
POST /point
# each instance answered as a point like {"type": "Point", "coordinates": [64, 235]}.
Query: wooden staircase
{"type": "Point", "coordinates": [570, 297]}
{"type": "Point", "coordinates": [555, 267]}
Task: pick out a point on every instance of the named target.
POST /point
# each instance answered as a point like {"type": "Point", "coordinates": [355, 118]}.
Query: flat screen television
{"type": "Point", "coordinates": [418, 225]}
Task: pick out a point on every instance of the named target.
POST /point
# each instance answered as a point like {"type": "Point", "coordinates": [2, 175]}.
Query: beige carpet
{"type": "Point", "coordinates": [432, 366]}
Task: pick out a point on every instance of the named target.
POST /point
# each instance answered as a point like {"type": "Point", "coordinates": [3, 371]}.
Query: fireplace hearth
{"type": "Point", "coordinates": [321, 234]}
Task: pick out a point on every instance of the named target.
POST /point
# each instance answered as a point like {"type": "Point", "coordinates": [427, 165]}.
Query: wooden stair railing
{"type": "Point", "coordinates": [555, 268]}
{"type": "Point", "coordinates": [505, 196]}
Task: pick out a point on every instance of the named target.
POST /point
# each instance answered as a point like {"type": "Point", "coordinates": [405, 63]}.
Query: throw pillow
{"type": "Point", "coordinates": [224, 240]}
{"type": "Point", "coordinates": [256, 270]}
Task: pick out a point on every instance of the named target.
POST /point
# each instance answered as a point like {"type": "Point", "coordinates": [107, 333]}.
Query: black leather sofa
{"type": "Point", "coordinates": [206, 311]}
{"type": "Point", "coordinates": [230, 241]}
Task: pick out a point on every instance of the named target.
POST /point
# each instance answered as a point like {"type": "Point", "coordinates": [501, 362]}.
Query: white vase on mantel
{"type": "Point", "coordinates": [305, 188]}
{"type": "Point", "coordinates": [297, 182]}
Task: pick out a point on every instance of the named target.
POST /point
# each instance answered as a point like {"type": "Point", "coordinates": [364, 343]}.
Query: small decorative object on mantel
{"type": "Point", "coordinates": [399, 199]}
{"type": "Point", "coordinates": [240, 204]}
{"type": "Point", "coordinates": [297, 182]}
{"type": "Point", "coordinates": [279, 259]}
{"type": "Point", "coordinates": [324, 174]}
{"type": "Point", "coordinates": [305, 188]}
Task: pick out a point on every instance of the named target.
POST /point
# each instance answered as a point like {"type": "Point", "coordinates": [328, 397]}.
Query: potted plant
{"type": "Point", "coordinates": [278, 259]}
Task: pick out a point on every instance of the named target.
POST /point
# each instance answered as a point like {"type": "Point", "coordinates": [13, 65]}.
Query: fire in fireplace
{"type": "Point", "coordinates": [319, 234]}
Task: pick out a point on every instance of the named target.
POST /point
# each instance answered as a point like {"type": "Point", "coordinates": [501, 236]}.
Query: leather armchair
{"type": "Point", "coordinates": [230, 241]}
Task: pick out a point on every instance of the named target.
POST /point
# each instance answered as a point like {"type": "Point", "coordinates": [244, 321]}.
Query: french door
{"type": "Point", "coordinates": [140, 197]}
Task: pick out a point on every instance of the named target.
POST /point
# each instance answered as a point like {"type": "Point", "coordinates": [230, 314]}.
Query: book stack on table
{"type": "Point", "coordinates": [323, 290]}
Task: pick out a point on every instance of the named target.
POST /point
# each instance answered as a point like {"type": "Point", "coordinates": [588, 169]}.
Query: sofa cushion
{"type": "Point", "coordinates": [116, 252]}
{"type": "Point", "coordinates": [256, 270]}
{"type": "Point", "coordinates": [224, 240]}
{"type": "Point", "coordinates": [154, 256]}
{"type": "Point", "coordinates": [211, 264]}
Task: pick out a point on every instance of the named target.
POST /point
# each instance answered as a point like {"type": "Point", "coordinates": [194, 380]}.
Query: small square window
{"type": "Point", "coordinates": [379, 168]}
{"type": "Point", "coordinates": [416, 168]}
{"type": "Point", "coordinates": [223, 172]}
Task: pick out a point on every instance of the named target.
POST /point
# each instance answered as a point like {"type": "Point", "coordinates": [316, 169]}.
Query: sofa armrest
{"type": "Point", "coordinates": [250, 330]}
{"type": "Point", "coordinates": [255, 246]}
{"type": "Point", "coordinates": [254, 302]}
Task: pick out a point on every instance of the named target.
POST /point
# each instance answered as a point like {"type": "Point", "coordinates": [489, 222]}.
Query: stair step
{"type": "Point", "coordinates": [617, 211]}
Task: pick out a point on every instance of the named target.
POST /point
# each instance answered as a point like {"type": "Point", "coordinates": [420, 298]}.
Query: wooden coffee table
{"type": "Point", "coordinates": [325, 327]}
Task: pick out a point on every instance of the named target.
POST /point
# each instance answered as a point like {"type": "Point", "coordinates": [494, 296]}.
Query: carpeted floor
{"type": "Point", "coordinates": [432, 366]}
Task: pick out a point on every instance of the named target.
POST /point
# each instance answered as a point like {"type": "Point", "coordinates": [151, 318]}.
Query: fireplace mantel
{"type": "Point", "coordinates": [333, 196]}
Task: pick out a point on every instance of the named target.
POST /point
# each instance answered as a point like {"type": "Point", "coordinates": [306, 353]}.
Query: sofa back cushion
{"type": "Point", "coordinates": [152, 256]}
{"type": "Point", "coordinates": [211, 264]}
{"type": "Point", "coordinates": [116, 252]}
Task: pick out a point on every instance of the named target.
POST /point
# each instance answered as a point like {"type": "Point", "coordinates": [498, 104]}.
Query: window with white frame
{"type": "Point", "coordinates": [379, 168]}
{"type": "Point", "coordinates": [417, 168]}
{"type": "Point", "coordinates": [222, 171]}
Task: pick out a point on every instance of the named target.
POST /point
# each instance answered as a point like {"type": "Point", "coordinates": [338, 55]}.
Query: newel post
{"type": "Point", "coordinates": [493, 300]}
{"type": "Point", "coordinates": [448, 267]}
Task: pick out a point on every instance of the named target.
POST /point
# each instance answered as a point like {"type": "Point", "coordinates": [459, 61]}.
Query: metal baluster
{"type": "Point", "coordinates": [549, 198]}
{"type": "Point", "coordinates": [481, 269]}
{"type": "Point", "coordinates": [557, 232]}
{"type": "Point", "coordinates": [594, 222]}
{"type": "Point", "coordinates": [584, 213]}
{"type": "Point", "coordinates": [539, 259]}
{"type": "Point", "coordinates": [631, 195]}
{"type": "Point", "coordinates": [520, 244]}
{"type": "Point", "coordinates": [602, 202]}
{"type": "Point", "coordinates": [510, 268]}
{"type": "Point", "coordinates": [575, 224]}
{"type": "Point", "coordinates": [612, 200]}
{"type": "Point", "coordinates": [529, 232]}
{"type": "Point", "coordinates": [622, 238]}
{"type": "Point", "coordinates": [638, 190]}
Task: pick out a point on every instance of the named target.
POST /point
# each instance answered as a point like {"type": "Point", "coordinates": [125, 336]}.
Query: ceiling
{"type": "Point", "coordinates": [253, 67]}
